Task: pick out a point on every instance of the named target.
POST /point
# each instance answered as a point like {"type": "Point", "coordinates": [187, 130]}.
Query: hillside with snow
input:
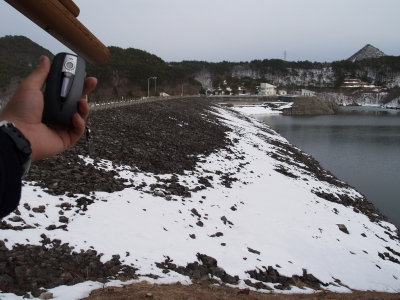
{"type": "Point", "coordinates": [256, 213]}
{"type": "Point", "coordinates": [366, 52]}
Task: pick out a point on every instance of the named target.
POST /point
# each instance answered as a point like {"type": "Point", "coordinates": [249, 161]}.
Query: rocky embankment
{"type": "Point", "coordinates": [145, 137]}
{"type": "Point", "coordinates": [311, 106]}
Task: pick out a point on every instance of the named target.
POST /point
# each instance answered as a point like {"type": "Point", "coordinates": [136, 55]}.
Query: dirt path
{"type": "Point", "coordinates": [144, 290]}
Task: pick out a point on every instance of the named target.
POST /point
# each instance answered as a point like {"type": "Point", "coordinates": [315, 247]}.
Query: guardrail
{"type": "Point", "coordinates": [131, 101]}
{"type": "Point", "coordinates": [244, 98]}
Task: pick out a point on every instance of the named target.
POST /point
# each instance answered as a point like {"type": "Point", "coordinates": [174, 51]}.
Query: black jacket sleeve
{"type": "Point", "coordinates": [10, 176]}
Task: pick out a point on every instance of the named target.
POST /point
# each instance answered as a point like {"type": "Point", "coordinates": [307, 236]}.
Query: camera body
{"type": "Point", "coordinates": [64, 86]}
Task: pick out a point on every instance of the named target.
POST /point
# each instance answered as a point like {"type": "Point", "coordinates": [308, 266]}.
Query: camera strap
{"type": "Point", "coordinates": [89, 137]}
{"type": "Point", "coordinates": [91, 148]}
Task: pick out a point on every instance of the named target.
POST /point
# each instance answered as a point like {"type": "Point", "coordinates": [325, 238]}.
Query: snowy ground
{"type": "Point", "coordinates": [274, 214]}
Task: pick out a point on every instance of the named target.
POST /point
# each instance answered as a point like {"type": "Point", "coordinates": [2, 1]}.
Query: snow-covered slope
{"type": "Point", "coordinates": [266, 210]}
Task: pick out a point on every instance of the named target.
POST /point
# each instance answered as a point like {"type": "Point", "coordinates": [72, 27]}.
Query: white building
{"type": "Point", "coordinates": [356, 83]}
{"type": "Point", "coordinates": [307, 93]}
{"type": "Point", "coordinates": [267, 89]}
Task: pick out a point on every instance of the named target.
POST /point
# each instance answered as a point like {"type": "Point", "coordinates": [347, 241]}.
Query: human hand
{"type": "Point", "coordinates": [25, 110]}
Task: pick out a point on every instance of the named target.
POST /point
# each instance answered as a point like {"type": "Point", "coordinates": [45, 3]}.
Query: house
{"type": "Point", "coordinates": [307, 93]}
{"type": "Point", "coordinates": [267, 89]}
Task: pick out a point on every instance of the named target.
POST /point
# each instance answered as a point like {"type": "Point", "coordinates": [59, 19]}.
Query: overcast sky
{"type": "Point", "coordinates": [235, 30]}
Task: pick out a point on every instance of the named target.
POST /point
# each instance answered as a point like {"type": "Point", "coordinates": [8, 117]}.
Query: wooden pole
{"type": "Point", "coordinates": [58, 18]}
{"type": "Point", "coordinates": [71, 6]}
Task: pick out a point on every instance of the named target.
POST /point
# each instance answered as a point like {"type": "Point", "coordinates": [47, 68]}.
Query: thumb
{"type": "Point", "coordinates": [38, 77]}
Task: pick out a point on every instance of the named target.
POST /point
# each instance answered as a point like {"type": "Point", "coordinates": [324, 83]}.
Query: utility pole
{"type": "Point", "coordinates": [182, 89]}
{"type": "Point", "coordinates": [148, 86]}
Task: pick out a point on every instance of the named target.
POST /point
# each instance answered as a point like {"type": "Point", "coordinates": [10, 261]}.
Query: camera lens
{"type": "Point", "coordinates": [69, 65]}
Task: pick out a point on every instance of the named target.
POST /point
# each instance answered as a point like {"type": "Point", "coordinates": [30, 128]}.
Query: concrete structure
{"type": "Point", "coordinates": [288, 97]}
{"type": "Point", "coordinates": [267, 89]}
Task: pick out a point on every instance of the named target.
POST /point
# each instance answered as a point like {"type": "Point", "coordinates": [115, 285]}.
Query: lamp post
{"type": "Point", "coordinates": [182, 89]}
{"type": "Point", "coordinates": [148, 86]}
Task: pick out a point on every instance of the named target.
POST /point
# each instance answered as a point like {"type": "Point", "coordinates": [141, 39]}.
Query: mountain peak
{"type": "Point", "coordinates": [368, 51]}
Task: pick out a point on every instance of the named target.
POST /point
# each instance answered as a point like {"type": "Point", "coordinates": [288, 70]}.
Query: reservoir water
{"type": "Point", "coordinates": [361, 147]}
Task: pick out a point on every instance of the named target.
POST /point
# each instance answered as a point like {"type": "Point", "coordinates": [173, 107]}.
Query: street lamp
{"type": "Point", "coordinates": [148, 86]}
{"type": "Point", "coordinates": [182, 89]}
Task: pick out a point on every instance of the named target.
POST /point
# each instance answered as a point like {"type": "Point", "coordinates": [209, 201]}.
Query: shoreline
{"type": "Point", "coordinates": [386, 203]}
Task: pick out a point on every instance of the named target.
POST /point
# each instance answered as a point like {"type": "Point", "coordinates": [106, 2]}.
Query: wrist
{"type": "Point", "coordinates": [21, 145]}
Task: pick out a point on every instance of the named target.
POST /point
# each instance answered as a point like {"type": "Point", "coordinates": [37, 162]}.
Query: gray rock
{"type": "Point", "coordinates": [159, 194]}
{"type": "Point", "coordinates": [46, 296]}
{"type": "Point", "coordinates": [343, 228]}
{"type": "Point", "coordinates": [16, 219]}
{"type": "Point", "coordinates": [40, 209]}
{"type": "Point", "coordinates": [63, 219]}
{"type": "Point", "coordinates": [253, 251]}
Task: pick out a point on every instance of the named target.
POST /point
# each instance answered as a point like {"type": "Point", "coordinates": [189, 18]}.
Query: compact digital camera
{"type": "Point", "coordinates": [64, 86]}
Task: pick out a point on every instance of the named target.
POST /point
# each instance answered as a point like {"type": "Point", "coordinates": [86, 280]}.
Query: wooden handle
{"type": "Point", "coordinates": [60, 22]}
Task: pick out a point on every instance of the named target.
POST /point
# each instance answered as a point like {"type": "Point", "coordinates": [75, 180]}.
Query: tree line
{"type": "Point", "coordinates": [19, 55]}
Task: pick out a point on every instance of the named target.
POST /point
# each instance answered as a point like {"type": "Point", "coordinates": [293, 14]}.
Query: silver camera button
{"type": "Point", "coordinates": [69, 65]}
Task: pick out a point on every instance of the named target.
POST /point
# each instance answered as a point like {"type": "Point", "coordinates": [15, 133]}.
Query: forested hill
{"type": "Point", "coordinates": [18, 57]}
{"type": "Point", "coordinates": [382, 71]}
{"type": "Point", "coordinates": [128, 71]}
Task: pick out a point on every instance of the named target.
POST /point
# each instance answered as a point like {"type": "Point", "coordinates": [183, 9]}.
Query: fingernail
{"type": "Point", "coordinates": [42, 58]}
